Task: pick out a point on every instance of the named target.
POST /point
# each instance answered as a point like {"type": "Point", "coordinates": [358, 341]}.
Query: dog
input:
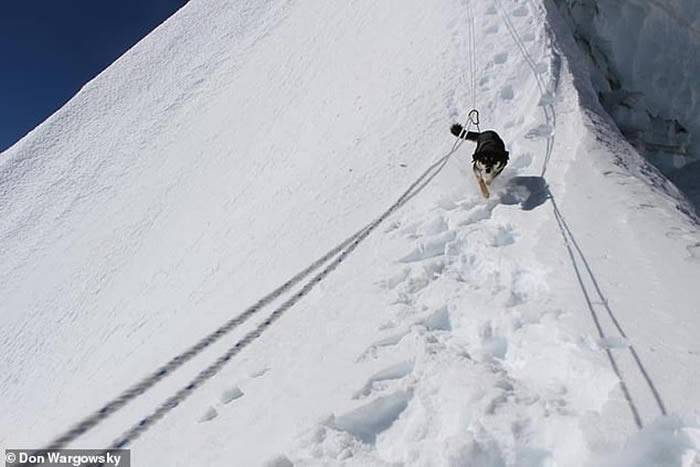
{"type": "Point", "coordinates": [490, 156]}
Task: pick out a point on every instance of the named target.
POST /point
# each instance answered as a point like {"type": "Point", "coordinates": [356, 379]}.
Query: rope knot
{"type": "Point", "coordinates": [473, 117]}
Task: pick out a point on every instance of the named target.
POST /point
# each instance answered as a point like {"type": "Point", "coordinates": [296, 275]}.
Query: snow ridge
{"type": "Point", "coordinates": [539, 327]}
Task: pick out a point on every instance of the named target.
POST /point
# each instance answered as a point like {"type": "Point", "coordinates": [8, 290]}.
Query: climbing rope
{"type": "Point", "coordinates": [473, 61]}
{"type": "Point", "coordinates": [471, 51]}
{"type": "Point", "coordinates": [573, 249]}
{"type": "Point", "coordinates": [340, 252]}
{"type": "Point", "coordinates": [148, 382]}
{"type": "Point", "coordinates": [473, 119]}
{"type": "Point", "coordinates": [473, 115]}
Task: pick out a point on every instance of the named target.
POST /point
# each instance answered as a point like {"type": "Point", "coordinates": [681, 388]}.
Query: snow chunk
{"type": "Point", "coordinates": [366, 422]}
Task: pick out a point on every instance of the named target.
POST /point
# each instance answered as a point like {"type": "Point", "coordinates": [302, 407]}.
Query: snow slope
{"type": "Point", "coordinates": [554, 324]}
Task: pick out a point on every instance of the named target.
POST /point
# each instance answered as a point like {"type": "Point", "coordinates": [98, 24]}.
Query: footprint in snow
{"type": "Point", "coordinates": [389, 341]}
{"type": "Point", "coordinates": [468, 204]}
{"type": "Point", "coordinates": [507, 93]}
{"type": "Point", "coordinates": [226, 397]}
{"type": "Point", "coordinates": [613, 342]}
{"type": "Point", "coordinates": [392, 373]}
{"type": "Point", "coordinates": [694, 252]}
{"type": "Point", "coordinates": [388, 325]}
{"type": "Point", "coordinates": [415, 284]}
{"type": "Point", "coordinates": [391, 282]}
{"type": "Point", "coordinates": [410, 231]}
{"type": "Point", "coordinates": [446, 204]}
{"type": "Point", "coordinates": [479, 213]}
{"type": "Point", "coordinates": [430, 248]}
{"type": "Point", "coordinates": [433, 269]}
{"type": "Point", "coordinates": [403, 299]}
{"type": "Point", "coordinates": [208, 415]}
{"type": "Point", "coordinates": [439, 320]}
{"type": "Point", "coordinates": [259, 372]}
{"type": "Point", "coordinates": [501, 58]}
{"type": "Point", "coordinates": [368, 421]}
{"type": "Point", "coordinates": [230, 395]}
{"type": "Point", "coordinates": [526, 284]}
{"type": "Point", "coordinates": [435, 226]}
{"type": "Point", "coordinates": [407, 284]}
{"type": "Point", "coordinates": [279, 461]}
{"type": "Point", "coordinates": [393, 226]}
{"type": "Point", "coordinates": [493, 29]}
{"type": "Point", "coordinates": [504, 236]}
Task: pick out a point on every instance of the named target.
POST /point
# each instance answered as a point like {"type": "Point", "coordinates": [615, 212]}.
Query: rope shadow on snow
{"type": "Point", "coordinates": [531, 192]}
{"type": "Point", "coordinates": [580, 265]}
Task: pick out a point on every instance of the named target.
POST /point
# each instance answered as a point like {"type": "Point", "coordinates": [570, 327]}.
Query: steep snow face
{"type": "Point", "coordinates": [554, 324]}
{"type": "Point", "coordinates": [645, 67]}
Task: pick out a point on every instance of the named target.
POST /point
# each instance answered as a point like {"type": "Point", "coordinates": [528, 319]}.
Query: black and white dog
{"type": "Point", "coordinates": [490, 156]}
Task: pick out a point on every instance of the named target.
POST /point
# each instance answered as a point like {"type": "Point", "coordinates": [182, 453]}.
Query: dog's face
{"type": "Point", "coordinates": [488, 167]}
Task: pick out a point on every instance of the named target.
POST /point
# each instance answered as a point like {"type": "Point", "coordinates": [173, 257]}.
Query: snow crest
{"type": "Point", "coordinates": [555, 323]}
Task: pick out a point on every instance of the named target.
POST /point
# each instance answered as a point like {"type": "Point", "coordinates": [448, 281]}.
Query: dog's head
{"type": "Point", "coordinates": [489, 165]}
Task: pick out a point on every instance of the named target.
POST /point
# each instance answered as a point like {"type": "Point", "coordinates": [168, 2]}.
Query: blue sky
{"type": "Point", "coordinates": [50, 48]}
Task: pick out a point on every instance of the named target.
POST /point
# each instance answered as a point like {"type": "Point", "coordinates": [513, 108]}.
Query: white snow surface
{"type": "Point", "coordinates": [555, 324]}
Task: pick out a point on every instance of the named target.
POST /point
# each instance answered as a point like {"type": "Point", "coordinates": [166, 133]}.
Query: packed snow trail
{"type": "Point", "coordinates": [239, 141]}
